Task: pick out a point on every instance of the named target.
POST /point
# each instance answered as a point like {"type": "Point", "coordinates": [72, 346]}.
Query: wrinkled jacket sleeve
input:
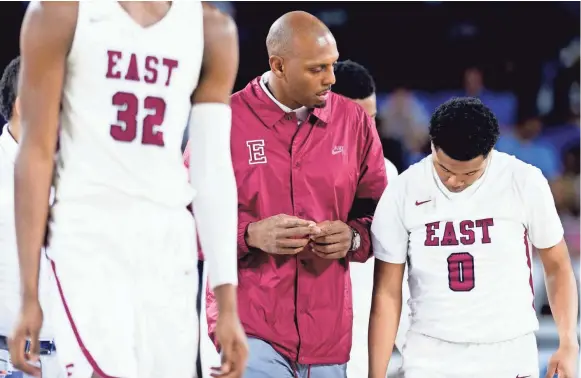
{"type": "Point", "coordinates": [372, 183]}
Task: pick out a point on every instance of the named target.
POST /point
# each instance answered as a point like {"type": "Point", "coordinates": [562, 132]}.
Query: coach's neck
{"type": "Point", "coordinates": [277, 89]}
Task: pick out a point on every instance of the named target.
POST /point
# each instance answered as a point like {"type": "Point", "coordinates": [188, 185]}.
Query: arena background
{"type": "Point", "coordinates": [522, 59]}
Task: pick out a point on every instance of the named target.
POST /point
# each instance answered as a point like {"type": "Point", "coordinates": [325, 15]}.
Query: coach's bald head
{"type": "Point", "coordinates": [302, 52]}
{"type": "Point", "coordinates": [293, 31]}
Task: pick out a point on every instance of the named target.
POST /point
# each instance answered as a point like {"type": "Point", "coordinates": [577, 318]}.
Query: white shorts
{"type": "Point", "coordinates": [123, 298]}
{"type": "Point", "coordinates": [427, 357]}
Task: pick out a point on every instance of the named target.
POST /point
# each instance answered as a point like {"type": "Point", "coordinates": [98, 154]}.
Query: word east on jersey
{"type": "Point", "coordinates": [460, 264]}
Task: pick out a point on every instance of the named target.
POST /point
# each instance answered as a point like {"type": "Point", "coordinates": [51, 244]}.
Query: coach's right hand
{"type": "Point", "coordinates": [281, 234]}
{"type": "Point", "coordinates": [28, 328]}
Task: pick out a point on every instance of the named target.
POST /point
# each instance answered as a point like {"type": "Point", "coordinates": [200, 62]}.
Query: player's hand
{"type": "Point", "coordinates": [232, 341]}
{"type": "Point", "coordinates": [281, 234]}
{"type": "Point", "coordinates": [28, 328]}
{"type": "Point", "coordinates": [564, 362]}
{"type": "Point", "coordinates": [334, 240]}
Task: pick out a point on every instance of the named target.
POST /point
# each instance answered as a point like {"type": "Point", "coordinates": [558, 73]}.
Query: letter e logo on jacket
{"type": "Point", "coordinates": [256, 151]}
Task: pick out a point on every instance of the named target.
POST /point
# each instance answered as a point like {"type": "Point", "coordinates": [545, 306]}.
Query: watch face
{"type": "Point", "coordinates": [356, 241]}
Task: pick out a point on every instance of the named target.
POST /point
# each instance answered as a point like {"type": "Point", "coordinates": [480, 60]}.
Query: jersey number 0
{"type": "Point", "coordinates": [126, 128]}
{"type": "Point", "coordinates": [461, 271]}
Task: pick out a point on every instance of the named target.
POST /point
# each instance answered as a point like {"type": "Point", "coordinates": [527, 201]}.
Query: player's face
{"type": "Point", "coordinates": [457, 175]}
{"type": "Point", "coordinates": [310, 73]}
{"type": "Point", "coordinates": [369, 104]}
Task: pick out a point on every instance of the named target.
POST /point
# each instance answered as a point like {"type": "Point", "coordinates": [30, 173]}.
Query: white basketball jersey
{"type": "Point", "coordinates": [126, 103]}
{"type": "Point", "coordinates": [469, 253]}
{"type": "Point", "coordinates": [391, 170]}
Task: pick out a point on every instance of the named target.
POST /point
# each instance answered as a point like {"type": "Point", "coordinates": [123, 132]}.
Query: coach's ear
{"type": "Point", "coordinates": [276, 65]}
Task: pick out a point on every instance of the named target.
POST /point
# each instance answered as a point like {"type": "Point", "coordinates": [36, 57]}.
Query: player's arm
{"type": "Point", "coordinates": [546, 234]}
{"type": "Point", "coordinates": [390, 240]}
{"type": "Point", "coordinates": [46, 36]}
{"type": "Point", "coordinates": [561, 290]}
{"type": "Point", "coordinates": [371, 185]}
{"type": "Point", "coordinates": [211, 172]}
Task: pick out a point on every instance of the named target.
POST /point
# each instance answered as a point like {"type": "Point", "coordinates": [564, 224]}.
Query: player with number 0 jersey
{"type": "Point", "coordinates": [465, 219]}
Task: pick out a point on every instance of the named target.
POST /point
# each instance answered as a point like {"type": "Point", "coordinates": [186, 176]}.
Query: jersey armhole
{"type": "Point", "coordinates": [78, 30]}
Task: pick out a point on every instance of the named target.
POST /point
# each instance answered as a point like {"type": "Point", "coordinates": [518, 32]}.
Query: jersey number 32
{"type": "Point", "coordinates": [127, 123]}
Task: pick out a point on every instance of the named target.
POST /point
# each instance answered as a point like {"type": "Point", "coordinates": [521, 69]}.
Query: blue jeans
{"type": "Point", "coordinates": [265, 362]}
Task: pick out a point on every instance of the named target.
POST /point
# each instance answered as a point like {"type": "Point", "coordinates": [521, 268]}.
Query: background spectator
{"type": "Point", "coordinates": [524, 143]}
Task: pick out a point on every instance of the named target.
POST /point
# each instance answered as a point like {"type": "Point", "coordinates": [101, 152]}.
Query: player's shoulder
{"type": "Point", "coordinates": [52, 6]}
{"type": "Point", "coordinates": [411, 182]}
{"type": "Point", "coordinates": [218, 21]}
{"type": "Point", "coordinates": [49, 24]}
{"type": "Point", "coordinates": [509, 167]}
{"type": "Point", "coordinates": [416, 173]}
{"type": "Point", "coordinates": [58, 12]}
{"type": "Point", "coordinates": [390, 169]}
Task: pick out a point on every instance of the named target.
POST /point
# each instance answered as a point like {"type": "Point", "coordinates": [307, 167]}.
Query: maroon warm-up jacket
{"type": "Point", "coordinates": [330, 167]}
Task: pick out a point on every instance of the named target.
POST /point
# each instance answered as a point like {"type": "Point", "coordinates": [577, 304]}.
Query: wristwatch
{"type": "Point", "coordinates": [355, 240]}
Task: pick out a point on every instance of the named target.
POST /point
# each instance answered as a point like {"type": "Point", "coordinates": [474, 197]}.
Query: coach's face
{"type": "Point", "coordinates": [457, 175]}
{"type": "Point", "coordinates": [309, 72]}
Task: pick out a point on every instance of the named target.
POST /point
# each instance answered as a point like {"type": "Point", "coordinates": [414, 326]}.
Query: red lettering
{"type": "Point", "coordinates": [467, 231]}
{"type": "Point", "coordinates": [484, 224]}
{"type": "Point", "coordinates": [138, 69]}
{"type": "Point", "coordinates": [132, 72]}
{"type": "Point", "coordinates": [170, 64]}
{"type": "Point", "coordinates": [112, 59]}
{"type": "Point", "coordinates": [431, 239]}
{"type": "Point", "coordinates": [128, 109]}
{"type": "Point", "coordinates": [151, 69]}
{"type": "Point", "coordinates": [461, 271]}
{"type": "Point", "coordinates": [449, 235]}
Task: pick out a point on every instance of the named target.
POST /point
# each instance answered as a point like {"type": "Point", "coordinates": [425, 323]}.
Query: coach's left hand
{"type": "Point", "coordinates": [334, 240]}
{"type": "Point", "coordinates": [563, 362]}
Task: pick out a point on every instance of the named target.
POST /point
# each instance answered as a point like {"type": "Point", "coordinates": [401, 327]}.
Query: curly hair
{"type": "Point", "coordinates": [464, 128]}
{"type": "Point", "coordinates": [9, 88]}
{"type": "Point", "coordinates": [353, 80]}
